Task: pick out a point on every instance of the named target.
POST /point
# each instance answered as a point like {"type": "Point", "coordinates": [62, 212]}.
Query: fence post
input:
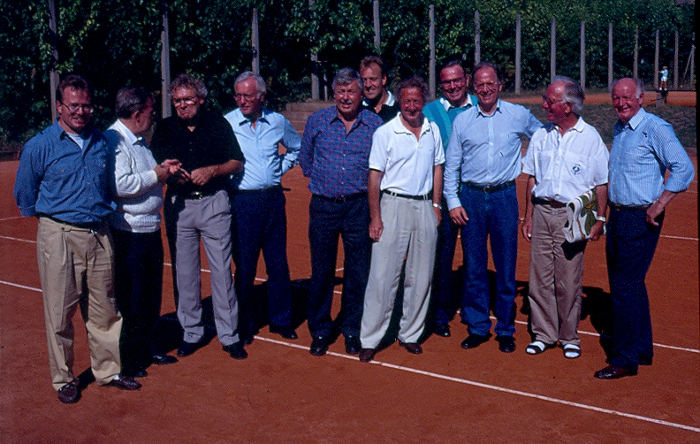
{"type": "Point", "coordinates": [610, 56]}
{"type": "Point", "coordinates": [431, 40]}
{"type": "Point", "coordinates": [582, 57]}
{"type": "Point", "coordinates": [553, 49]}
{"type": "Point", "coordinates": [377, 36]}
{"type": "Point", "coordinates": [518, 42]}
{"type": "Point", "coordinates": [165, 63]}
{"type": "Point", "coordinates": [314, 65]}
{"type": "Point", "coordinates": [255, 42]}
{"type": "Point", "coordinates": [53, 74]}
{"type": "Point", "coordinates": [636, 52]}
{"type": "Point", "coordinates": [477, 38]}
{"type": "Point", "coordinates": [656, 61]}
{"type": "Point", "coordinates": [675, 62]}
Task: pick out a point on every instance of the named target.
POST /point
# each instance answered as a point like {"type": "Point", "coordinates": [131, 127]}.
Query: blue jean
{"type": "Point", "coordinates": [630, 246]}
{"type": "Point", "coordinates": [493, 215]}
{"type": "Point", "coordinates": [260, 223]}
{"type": "Point", "coordinates": [327, 221]}
{"type": "Point", "coordinates": [444, 309]}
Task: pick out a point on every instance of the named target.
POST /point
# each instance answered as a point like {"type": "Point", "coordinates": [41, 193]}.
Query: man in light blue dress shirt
{"type": "Point", "coordinates": [644, 148]}
{"type": "Point", "coordinates": [484, 155]}
{"type": "Point", "coordinates": [260, 222]}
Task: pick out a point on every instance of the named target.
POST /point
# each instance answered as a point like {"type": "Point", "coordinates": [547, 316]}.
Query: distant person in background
{"type": "Point", "coordinates": [565, 159]}
{"type": "Point", "coordinates": [138, 250]}
{"type": "Point", "coordinates": [454, 83]}
{"type": "Point", "coordinates": [334, 156]}
{"type": "Point", "coordinates": [63, 180]}
{"type": "Point", "coordinates": [664, 79]}
{"type": "Point", "coordinates": [260, 221]}
{"type": "Point", "coordinates": [377, 97]}
{"type": "Point", "coordinates": [645, 148]}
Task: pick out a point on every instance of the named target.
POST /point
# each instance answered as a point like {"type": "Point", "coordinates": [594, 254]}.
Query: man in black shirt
{"type": "Point", "coordinates": [197, 205]}
{"type": "Point", "coordinates": [376, 97]}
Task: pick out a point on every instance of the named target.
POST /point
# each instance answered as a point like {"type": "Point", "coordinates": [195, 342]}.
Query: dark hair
{"type": "Point", "coordinates": [130, 100]}
{"type": "Point", "coordinates": [365, 62]}
{"type": "Point", "coordinates": [74, 81]}
{"type": "Point", "coordinates": [345, 77]}
{"type": "Point", "coordinates": [496, 69]}
{"type": "Point", "coordinates": [413, 82]}
{"type": "Point", "coordinates": [188, 81]}
{"type": "Point", "coordinates": [453, 61]}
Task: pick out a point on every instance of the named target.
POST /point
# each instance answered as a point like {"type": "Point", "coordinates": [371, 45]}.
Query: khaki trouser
{"type": "Point", "coordinates": [76, 268]}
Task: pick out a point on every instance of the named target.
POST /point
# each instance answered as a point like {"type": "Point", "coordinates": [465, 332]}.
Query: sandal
{"type": "Point", "coordinates": [537, 347]}
{"type": "Point", "coordinates": [571, 351]}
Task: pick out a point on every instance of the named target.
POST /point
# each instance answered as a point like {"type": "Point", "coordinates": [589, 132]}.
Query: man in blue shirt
{"type": "Point", "coordinates": [260, 222]}
{"type": "Point", "coordinates": [63, 180]}
{"type": "Point", "coordinates": [482, 163]}
{"type": "Point", "coordinates": [335, 156]}
{"type": "Point", "coordinates": [644, 148]}
{"type": "Point", "coordinates": [454, 82]}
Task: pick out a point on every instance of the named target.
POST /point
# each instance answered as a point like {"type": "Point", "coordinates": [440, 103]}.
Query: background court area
{"type": "Point", "coordinates": [283, 394]}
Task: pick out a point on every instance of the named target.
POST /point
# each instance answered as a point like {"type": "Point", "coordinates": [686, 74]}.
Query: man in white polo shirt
{"type": "Point", "coordinates": [406, 165]}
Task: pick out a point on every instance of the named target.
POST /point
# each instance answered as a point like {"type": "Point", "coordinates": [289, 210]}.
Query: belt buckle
{"type": "Point", "coordinates": [196, 195]}
{"type": "Point", "coordinates": [489, 188]}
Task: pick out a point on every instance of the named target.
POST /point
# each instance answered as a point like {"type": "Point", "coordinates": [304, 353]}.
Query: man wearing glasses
{"type": "Point", "coordinates": [454, 82]}
{"type": "Point", "coordinates": [63, 179]}
{"type": "Point", "coordinates": [260, 222]}
{"type": "Point", "coordinates": [482, 163]}
{"type": "Point", "coordinates": [197, 206]}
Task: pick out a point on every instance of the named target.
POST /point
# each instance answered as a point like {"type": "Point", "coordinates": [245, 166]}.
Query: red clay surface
{"type": "Point", "coordinates": [283, 394]}
{"type": "Point", "coordinates": [674, 98]}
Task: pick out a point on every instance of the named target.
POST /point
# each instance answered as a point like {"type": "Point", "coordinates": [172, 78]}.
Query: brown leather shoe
{"type": "Point", "coordinates": [69, 393]}
{"type": "Point", "coordinates": [614, 372]}
{"type": "Point", "coordinates": [124, 383]}
{"type": "Point", "coordinates": [412, 347]}
{"type": "Point", "coordinates": [366, 354]}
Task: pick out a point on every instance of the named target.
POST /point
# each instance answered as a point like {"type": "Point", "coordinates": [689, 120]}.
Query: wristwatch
{"type": "Point", "coordinates": [437, 205]}
{"type": "Point", "coordinates": [601, 218]}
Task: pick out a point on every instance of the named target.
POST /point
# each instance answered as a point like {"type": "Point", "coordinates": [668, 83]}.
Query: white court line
{"type": "Point", "coordinates": [205, 270]}
{"type": "Point", "coordinates": [498, 388]}
{"type": "Point", "coordinates": [11, 218]}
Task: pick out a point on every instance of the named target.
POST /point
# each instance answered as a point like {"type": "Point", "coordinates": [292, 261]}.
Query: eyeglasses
{"type": "Point", "coordinates": [247, 97]}
{"type": "Point", "coordinates": [549, 101]}
{"type": "Point", "coordinates": [488, 86]}
{"type": "Point", "coordinates": [185, 100]}
{"type": "Point", "coordinates": [74, 107]}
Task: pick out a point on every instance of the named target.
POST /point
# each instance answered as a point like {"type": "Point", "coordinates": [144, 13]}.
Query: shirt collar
{"type": "Point", "coordinates": [126, 132]}
{"type": "Point", "coordinates": [468, 102]}
{"type": "Point", "coordinates": [398, 127]}
{"type": "Point", "coordinates": [390, 100]}
{"type": "Point", "coordinates": [241, 119]}
{"type": "Point", "coordinates": [636, 119]}
{"type": "Point", "coordinates": [579, 126]}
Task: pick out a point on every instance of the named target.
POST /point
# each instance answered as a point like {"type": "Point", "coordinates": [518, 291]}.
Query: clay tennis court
{"type": "Point", "coordinates": [283, 394]}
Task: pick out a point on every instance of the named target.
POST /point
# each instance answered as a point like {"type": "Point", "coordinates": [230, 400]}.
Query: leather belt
{"type": "Point", "coordinates": [408, 196]}
{"type": "Point", "coordinates": [261, 190]}
{"type": "Point", "coordinates": [92, 226]}
{"type": "Point", "coordinates": [549, 202]}
{"type": "Point", "coordinates": [489, 188]}
{"type": "Point", "coordinates": [197, 195]}
{"type": "Point", "coordinates": [346, 198]}
{"type": "Point", "coordinates": [619, 207]}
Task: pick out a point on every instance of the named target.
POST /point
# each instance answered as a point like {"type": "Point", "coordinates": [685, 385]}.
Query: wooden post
{"type": "Point", "coordinates": [518, 42]}
{"type": "Point", "coordinates": [255, 42]}
{"type": "Point", "coordinates": [431, 40]}
{"type": "Point", "coordinates": [610, 56]}
{"type": "Point", "coordinates": [314, 66]}
{"type": "Point", "coordinates": [377, 30]}
{"type": "Point", "coordinates": [636, 52]}
{"type": "Point", "coordinates": [675, 61]}
{"type": "Point", "coordinates": [165, 63]}
{"type": "Point", "coordinates": [553, 49]}
{"type": "Point", "coordinates": [582, 57]}
{"type": "Point", "coordinates": [53, 74]}
{"type": "Point", "coordinates": [477, 38]}
{"type": "Point", "coordinates": [656, 61]}
{"type": "Point", "coordinates": [691, 81]}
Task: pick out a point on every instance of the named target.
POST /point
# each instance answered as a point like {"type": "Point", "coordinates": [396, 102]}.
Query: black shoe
{"type": "Point", "coordinates": [159, 359]}
{"type": "Point", "coordinates": [412, 347]}
{"type": "Point", "coordinates": [614, 372]}
{"type": "Point", "coordinates": [236, 350]}
{"type": "Point", "coordinates": [506, 344]}
{"type": "Point", "coordinates": [474, 340]}
{"type": "Point", "coordinates": [246, 339]}
{"type": "Point", "coordinates": [442, 330]}
{"type": "Point", "coordinates": [69, 393]}
{"type": "Point", "coordinates": [319, 346]}
{"type": "Point", "coordinates": [187, 348]}
{"type": "Point", "coordinates": [138, 373]}
{"type": "Point", "coordinates": [352, 345]}
{"type": "Point", "coordinates": [285, 332]}
{"type": "Point", "coordinates": [366, 354]}
{"type": "Point", "coordinates": [123, 382]}
{"type": "Point", "coordinates": [645, 361]}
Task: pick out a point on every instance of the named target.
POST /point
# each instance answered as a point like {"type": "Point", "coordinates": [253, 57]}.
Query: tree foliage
{"type": "Point", "coordinates": [114, 43]}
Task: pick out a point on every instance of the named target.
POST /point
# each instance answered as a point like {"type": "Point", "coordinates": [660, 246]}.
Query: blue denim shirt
{"type": "Point", "coordinates": [58, 178]}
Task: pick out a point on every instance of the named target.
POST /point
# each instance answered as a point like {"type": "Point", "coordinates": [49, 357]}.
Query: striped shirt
{"type": "Point", "coordinates": [643, 149]}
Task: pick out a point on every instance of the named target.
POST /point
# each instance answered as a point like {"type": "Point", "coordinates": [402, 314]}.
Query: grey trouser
{"type": "Point", "coordinates": [208, 218]}
{"type": "Point", "coordinates": [410, 232]}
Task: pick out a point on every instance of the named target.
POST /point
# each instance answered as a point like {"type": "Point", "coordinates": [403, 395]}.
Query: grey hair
{"type": "Point", "coordinates": [188, 81]}
{"type": "Point", "coordinates": [639, 86]}
{"type": "Point", "coordinates": [259, 81]}
{"type": "Point", "coordinates": [413, 82]}
{"type": "Point", "coordinates": [345, 77]}
{"type": "Point", "coordinates": [573, 93]}
{"type": "Point", "coordinates": [130, 100]}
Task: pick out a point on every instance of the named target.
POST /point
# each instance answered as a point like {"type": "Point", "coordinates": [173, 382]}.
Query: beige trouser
{"type": "Point", "coordinates": [556, 270]}
{"type": "Point", "coordinates": [76, 267]}
{"type": "Point", "coordinates": [410, 232]}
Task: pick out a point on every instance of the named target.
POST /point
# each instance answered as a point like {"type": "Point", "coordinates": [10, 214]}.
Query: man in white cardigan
{"type": "Point", "coordinates": [138, 252]}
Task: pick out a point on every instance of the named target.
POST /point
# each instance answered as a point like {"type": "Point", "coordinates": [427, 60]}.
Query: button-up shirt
{"type": "Point", "coordinates": [566, 166]}
{"type": "Point", "coordinates": [138, 194]}
{"type": "Point", "coordinates": [264, 165]}
{"type": "Point", "coordinates": [486, 149]}
{"type": "Point", "coordinates": [211, 143]}
{"type": "Point", "coordinates": [58, 178]}
{"type": "Point", "coordinates": [643, 149]}
{"type": "Point", "coordinates": [407, 162]}
{"type": "Point", "coordinates": [336, 160]}
{"type": "Point", "coordinates": [444, 114]}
